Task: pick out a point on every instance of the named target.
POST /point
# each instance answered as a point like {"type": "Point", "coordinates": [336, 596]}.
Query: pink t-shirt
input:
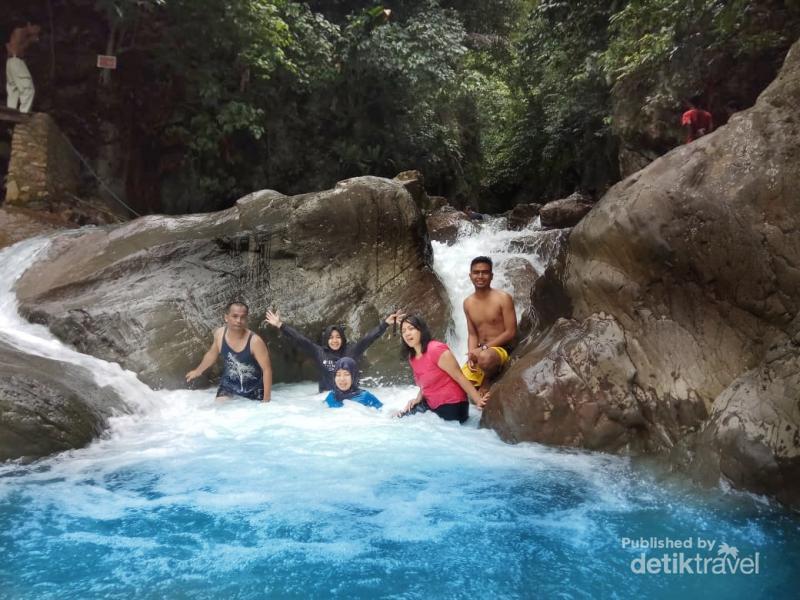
{"type": "Point", "coordinates": [437, 386]}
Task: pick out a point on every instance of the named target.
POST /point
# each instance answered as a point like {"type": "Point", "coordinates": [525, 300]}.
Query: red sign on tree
{"type": "Point", "coordinates": [106, 61]}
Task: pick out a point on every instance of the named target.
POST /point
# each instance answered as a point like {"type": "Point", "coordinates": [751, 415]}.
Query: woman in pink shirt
{"type": "Point", "coordinates": [442, 386]}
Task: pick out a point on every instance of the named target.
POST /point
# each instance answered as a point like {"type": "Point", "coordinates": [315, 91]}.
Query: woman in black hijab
{"type": "Point", "coordinates": [333, 345]}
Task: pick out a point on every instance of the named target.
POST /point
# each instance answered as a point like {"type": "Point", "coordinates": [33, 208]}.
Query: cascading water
{"type": "Point", "coordinates": [35, 339]}
{"type": "Point", "coordinates": [188, 498]}
{"type": "Point", "coordinates": [502, 246]}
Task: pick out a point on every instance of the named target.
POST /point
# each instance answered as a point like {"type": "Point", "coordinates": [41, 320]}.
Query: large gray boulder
{"type": "Point", "coordinates": [582, 362]}
{"type": "Point", "coordinates": [576, 386]}
{"type": "Point", "coordinates": [447, 223]}
{"type": "Point", "coordinates": [566, 212]}
{"type": "Point", "coordinates": [753, 435]}
{"type": "Point", "coordinates": [697, 260]}
{"type": "Point", "coordinates": [48, 406]}
{"type": "Point", "coordinates": [148, 294]}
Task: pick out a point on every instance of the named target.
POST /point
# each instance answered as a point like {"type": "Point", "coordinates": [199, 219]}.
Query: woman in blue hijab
{"type": "Point", "coordinates": [345, 380]}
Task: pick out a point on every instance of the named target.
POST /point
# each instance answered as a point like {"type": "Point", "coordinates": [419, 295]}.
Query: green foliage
{"type": "Point", "coordinates": [661, 52]}
{"type": "Point", "coordinates": [121, 11]}
{"type": "Point", "coordinates": [396, 93]}
{"type": "Point", "coordinates": [576, 65]}
{"type": "Point", "coordinates": [384, 96]}
{"type": "Point", "coordinates": [267, 93]}
{"type": "Point", "coordinates": [561, 140]}
{"type": "Point", "coordinates": [485, 80]}
{"type": "Point", "coordinates": [648, 35]}
{"type": "Point", "coordinates": [496, 102]}
{"type": "Point", "coordinates": [221, 53]}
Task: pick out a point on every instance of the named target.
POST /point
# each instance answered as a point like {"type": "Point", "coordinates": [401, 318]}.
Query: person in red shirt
{"type": "Point", "coordinates": [443, 388]}
{"type": "Point", "coordinates": [696, 121]}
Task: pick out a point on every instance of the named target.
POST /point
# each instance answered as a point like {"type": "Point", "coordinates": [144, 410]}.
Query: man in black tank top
{"type": "Point", "coordinates": [247, 371]}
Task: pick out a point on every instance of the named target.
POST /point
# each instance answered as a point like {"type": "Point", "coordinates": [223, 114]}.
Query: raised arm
{"type": "Point", "coordinates": [261, 354]}
{"type": "Point", "coordinates": [305, 344]}
{"type": "Point", "coordinates": [447, 363]}
{"type": "Point", "coordinates": [209, 358]}
{"type": "Point", "coordinates": [361, 345]}
{"type": "Point", "coordinates": [302, 342]}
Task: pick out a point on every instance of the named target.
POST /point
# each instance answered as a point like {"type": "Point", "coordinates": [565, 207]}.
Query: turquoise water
{"type": "Point", "coordinates": [192, 499]}
{"type": "Point", "coordinates": [294, 500]}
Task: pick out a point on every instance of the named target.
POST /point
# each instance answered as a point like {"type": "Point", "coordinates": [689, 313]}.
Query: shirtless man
{"type": "Point", "coordinates": [491, 324]}
{"type": "Point", "coordinates": [247, 371]}
{"type": "Point", "coordinates": [19, 83]}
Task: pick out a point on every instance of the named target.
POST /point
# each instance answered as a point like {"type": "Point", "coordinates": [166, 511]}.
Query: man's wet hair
{"type": "Point", "coordinates": [481, 259]}
{"type": "Point", "coordinates": [425, 335]}
{"type": "Point", "coordinates": [236, 303]}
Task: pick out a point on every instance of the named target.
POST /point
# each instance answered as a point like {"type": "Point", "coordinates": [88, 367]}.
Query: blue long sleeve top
{"type": "Point", "coordinates": [363, 397]}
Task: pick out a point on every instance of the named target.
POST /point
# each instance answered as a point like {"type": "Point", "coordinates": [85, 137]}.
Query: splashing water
{"type": "Point", "coordinates": [502, 246]}
{"type": "Point", "coordinates": [36, 339]}
{"type": "Point", "coordinates": [189, 498]}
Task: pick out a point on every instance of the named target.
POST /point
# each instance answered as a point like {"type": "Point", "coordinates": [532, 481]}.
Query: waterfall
{"type": "Point", "coordinates": [190, 498]}
{"type": "Point", "coordinates": [530, 246]}
{"type": "Point", "coordinates": [37, 340]}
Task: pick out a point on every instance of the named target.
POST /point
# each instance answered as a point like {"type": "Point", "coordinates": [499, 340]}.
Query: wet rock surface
{"type": "Point", "coordinates": [447, 223]}
{"type": "Point", "coordinates": [566, 212]}
{"type": "Point", "coordinates": [753, 435]}
{"type": "Point", "coordinates": [148, 294]}
{"type": "Point", "coordinates": [572, 389]}
{"type": "Point", "coordinates": [523, 215]}
{"type": "Point", "coordinates": [696, 259]}
{"type": "Point", "coordinates": [17, 224]}
{"type": "Point", "coordinates": [48, 406]}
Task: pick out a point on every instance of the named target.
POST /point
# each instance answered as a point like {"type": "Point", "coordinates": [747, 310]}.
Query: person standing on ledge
{"type": "Point", "coordinates": [334, 345]}
{"type": "Point", "coordinates": [696, 121]}
{"type": "Point", "coordinates": [19, 83]}
{"type": "Point", "coordinates": [247, 372]}
{"type": "Point", "coordinates": [491, 326]}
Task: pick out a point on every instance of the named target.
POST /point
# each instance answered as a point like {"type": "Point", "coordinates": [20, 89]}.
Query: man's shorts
{"type": "Point", "coordinates": [475, 375]}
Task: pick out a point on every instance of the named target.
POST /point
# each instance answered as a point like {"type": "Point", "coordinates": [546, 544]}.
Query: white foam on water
{"type": "Point", "coordinates": [192, 497]}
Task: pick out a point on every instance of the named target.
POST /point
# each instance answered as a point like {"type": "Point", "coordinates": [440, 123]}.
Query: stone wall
{"type": "Point", "coordinates": [42, 167]}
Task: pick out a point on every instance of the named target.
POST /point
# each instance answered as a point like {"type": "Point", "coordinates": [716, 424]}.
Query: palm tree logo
{"type": "Point", "coordinates": [238, 370]}
{"type": "Point", "coordinates": [728, 551]}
